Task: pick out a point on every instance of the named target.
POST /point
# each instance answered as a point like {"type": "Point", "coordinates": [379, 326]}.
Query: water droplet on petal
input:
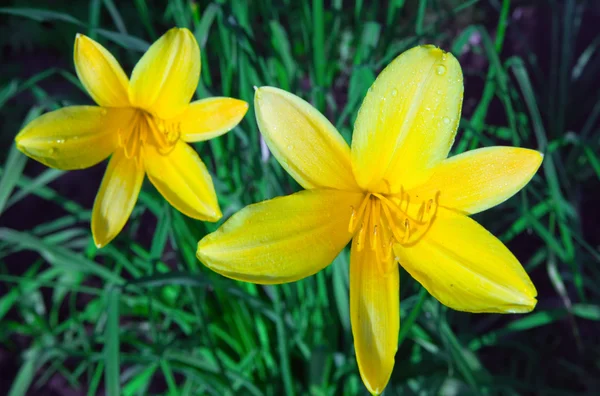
{"type": "Point", "coordinates": [439, 91]}
{"type": "Point", "coordinates": [394, 92]}
{"type": "Point", "coordinates": [446, 120]}
{"type": "Point", "coordinates": [440, 70]}
{"type": "Point", "coordinates": [290, 147]}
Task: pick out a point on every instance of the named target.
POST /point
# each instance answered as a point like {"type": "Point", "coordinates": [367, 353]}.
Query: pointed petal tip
{"type": "Point", "coordinates": [241, 105]}
{"type": "Point", "coordinates": [533, 157]}
{"type": "Point", "coordinates": [431, 47]}
{"type": "Point", "coordinates": [258, 93]}
{"type": "Point", "coordinates": [205, 213]}
{"type": "Point", "coordinates": [81, 38]}
{"type": "Point", "coordinates": [522, 307]}
{"type": "Point", "coordinates": [245, 105]}
{"type": "Point", "coordinates": [435, 51]}
{"type": "Point", "coordinates": [181, 31]}
{"type": "Point", "coordinates": [210, 212]}
{"type": "Point", "coordinates": [97, 242]}
{"type": "Point", "coordinates": [100, 240]}
{"type": "Point", "coordinates": [201, 251]}
{"type": "Point", "coordinates": [373, 387]}
{"type": "Point", "coordinates": [541, 155]}
{"type": "Point", "coordinates": [215, 216]}
{"type": "Point", "coordinates": [265, 89]}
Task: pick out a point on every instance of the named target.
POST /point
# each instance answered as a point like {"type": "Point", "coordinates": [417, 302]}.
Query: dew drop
{"type": "Point", "coordinates": [446, 120]}
{"type": "Point", "coordinates": [439, 91]}
{"type": "Point", "coordinates": [290, 147]}
{"type": "Point", "coordinates": [394, 92]}
{"type": "Point", "coordinates": [440, 70]}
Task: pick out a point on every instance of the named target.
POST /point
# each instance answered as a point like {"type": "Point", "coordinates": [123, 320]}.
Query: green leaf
{"type": "Point", "coordinates": [58, 256]}
{"type": "Point", "coordinates": [40, 15]}
{"type": "Point", "coordinates": [587, 311]}
{"type": "Point", "coordinates": [112, 345]}
{"type": "Point", "coordinates": [15, 163]}
{"type": "Point", "coordinates": [25, 375]}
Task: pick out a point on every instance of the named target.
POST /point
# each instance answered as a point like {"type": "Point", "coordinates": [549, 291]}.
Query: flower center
{"type": "Point", "coordinates": [381, 221]}
{"type": "Point", "coordinates": [148, 129]}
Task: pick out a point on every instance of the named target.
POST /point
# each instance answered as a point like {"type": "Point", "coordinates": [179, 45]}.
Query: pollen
{"type": "Point", "coordinates": [380, 221]}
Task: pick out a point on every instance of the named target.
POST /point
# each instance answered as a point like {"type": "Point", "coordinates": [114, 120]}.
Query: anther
{"type": "Point", "coordinates": [359, 214]}
{"type": "Point", "coordinates": [352, 220]}
{"type": "Point", "coordinates": [421, 212]}
{"type": "Point", "coordinates": [406, 230]}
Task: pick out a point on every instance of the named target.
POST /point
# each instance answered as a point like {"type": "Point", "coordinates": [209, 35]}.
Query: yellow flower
{"type": "Point", "coordinates": [394, 193]}
{"type": "Point", "coordinates": [144, 123]}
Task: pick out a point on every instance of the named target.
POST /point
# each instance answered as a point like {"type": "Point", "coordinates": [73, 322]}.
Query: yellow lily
{"type": "Point", "coordinates": [394, 193]}
{"type": "Point", "coordinates": [144, 123]}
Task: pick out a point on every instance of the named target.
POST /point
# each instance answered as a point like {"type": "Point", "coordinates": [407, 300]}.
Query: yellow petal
{"type": "Point", "coordinates": [408, 120]}
{"type": "Point", "coordinates": [100, 73]}
{"type": "Point", "coordinates": [304, 142]}
{"type": "Point", "coordinates": [480, 179]}
{"type": "Point", "coordinates": [182, 178]}
{"type": "Point", "coordinates": [375, 315]}
{"type": "Point", "coordinates": [165, 79]}
{"type": "Point", "coordinates": [208, 118]}
{"type": "Point", "coordinates": [74, 137]}
{"type": "Point", "coordinates": [466, 268]}
{"type": "Point", "coordinates": [283, 239]}
{"type": "Point", "coordinates": [117, 196]}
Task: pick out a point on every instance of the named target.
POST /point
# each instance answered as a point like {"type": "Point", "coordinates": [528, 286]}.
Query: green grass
{"type": "Point", "coordinates": [143, 316]}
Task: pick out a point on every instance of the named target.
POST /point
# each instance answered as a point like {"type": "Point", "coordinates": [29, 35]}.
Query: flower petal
{"type": "Point", "coordinates": [182, 178]}
{"type": "Point", "coordinates": [480, 179]}
{"type": "Point", "coordinates": [465, 267]}
{"type": "Point", "coordinates": [408, 120]}
{"type": "Point", "coordinates": [165, 79]}
{"type": "Point", "coordinates": [375, 316]}
{"type": "Point", "coordinates": [74, 137]}
{"type": "Point", "coordinates": [304, 142]}
{"type": "Point", "coordinates": [208, 118]}
{"type": "Point", "coordinates": [100, 73]}
{"type": "Point", "coordinates": [283, 239]}
{"type": "Point", "coordinates": [117, 196]}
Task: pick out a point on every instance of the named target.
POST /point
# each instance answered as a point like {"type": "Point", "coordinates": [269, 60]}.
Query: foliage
{"type": "Point", "coordinates": [143, 316]}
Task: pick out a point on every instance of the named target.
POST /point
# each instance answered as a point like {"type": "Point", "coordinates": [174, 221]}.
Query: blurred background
{"type": "Point", "coordinates": [143, 316]}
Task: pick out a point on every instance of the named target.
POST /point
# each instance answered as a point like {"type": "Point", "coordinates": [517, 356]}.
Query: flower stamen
{"type": "Point", "coordinates": [148, 129]}
{"type": "Point", "coordinates": [386, 220]}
